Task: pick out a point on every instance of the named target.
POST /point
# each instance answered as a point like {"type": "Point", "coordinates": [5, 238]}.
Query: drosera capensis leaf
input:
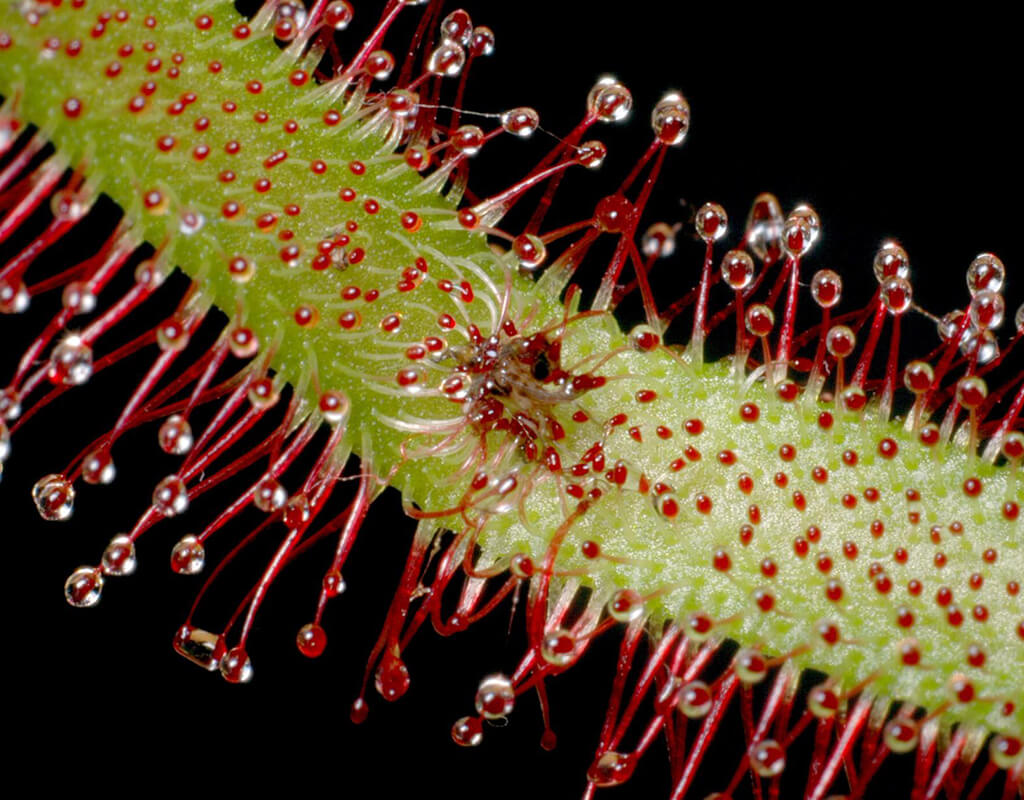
{"type": "Point", "coordinates": [658, 390]}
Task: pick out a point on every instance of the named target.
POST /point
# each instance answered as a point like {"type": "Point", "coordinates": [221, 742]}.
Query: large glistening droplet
{"type": "Point", "coordinates": [83, 587]}
{"type": "Point", "coordinates": [188, 556]}
{"type": "Point", "coordinates": [54, 497]}
{"type": "Point", "coordinates": [119, 556]}
{"type": "Point", "coordinates": [495, 697]}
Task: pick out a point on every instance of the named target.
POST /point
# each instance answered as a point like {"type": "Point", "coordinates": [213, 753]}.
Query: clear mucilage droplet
{"type": "Point", "coordinates": [558, 648]}
{"type": "Point", "coordinates": [670, 119]}
{"type": "Point", "coordinates": [200, 647]}
{"type": "Point", "coordinates": [83, 587]}
{"type": "Point", "coordinates": [768, 758]}
{"type": "Point", "coordinates": [54, 497]}
{"type": "Point", "coordinates": [175, 436]}
{"type": "Point", "coordinates": [119, 556]}
{"type": "Point", "coordinates": [891, 261]}
{"type": "Point", "coordinates": [986, 273]}
{"type": "Point", "coordinates": [764, 227]}
{"type": "Point", "coordinates": [188, 556]}
{"type": "Point", "coordinates": [695, 700]}
{"type": "Point", "coordinates": [609, 100]}
{"type": "Point", "coordinates": [495, 697]}
{"type": "Point", "coordinates": [737, 270]}
{"type": "Point", "coordinates": [71, 362]}
{"type": "Point", "coordinates": [269, 495]}
{"type": "Point", "coordinates": [522, 122]}
{"type": "Point", "coordinates": [170, 497]}
{"type": "Point", "coordinates": [826, 288]}
{"type": "Point", "coordinates": [712, 222]}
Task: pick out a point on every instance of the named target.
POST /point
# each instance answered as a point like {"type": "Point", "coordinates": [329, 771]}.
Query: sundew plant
{"type": "Point", "coordinates": [703, 470]}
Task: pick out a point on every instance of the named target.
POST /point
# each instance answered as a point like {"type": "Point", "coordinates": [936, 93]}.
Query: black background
{"type": "Point", "coordinates": [890, 126]}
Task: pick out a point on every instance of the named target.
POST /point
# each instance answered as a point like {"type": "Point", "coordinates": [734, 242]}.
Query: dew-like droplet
{"type": "Point", "coordinates": [190, 222]}
{"type": "Point", "coordinates": [311, 640]}
{"type": "Point", "coordinates": [695, 699]}
{"type": "Point", "coordinates": [822, 701]}
{"type": "Point", "coordinates": [840, 341]}
{"type": "Point", "coordinates": [14, 297]}
{"type": "Point", "coordinates": [482, 41]}
{"type": "Point", "coordinates": [172, 336]}
{"type": "Point", "coordinates": [98, 467]}
{"type": "Point", "coordinates": [1005, 751]}
{"type": "Point", "coordinates": [643, 338]}
{"type": "Point", "coordinates": [10, 404]}
{"type": "Point", "coordinates": [54, 497]}
{"type": "Point", "coordinates": [987, 309]}
{"type": "Point", "coordinates": [891, 261]}
{"type": "Point", "coordinates": [764, 227]}
{"type": "Point", "coordinates": [626, 605]}
{"type": "Point", "coordinates": [77, 298]}
{"type": "Point", "coordinates": [737, 270]}
{"type": "Point", "coordinates": [711, 222]}
{"type": "Point", "coordinates": [659, 240]}
{"type": "Point", "coordinates": [119, 556]}
{"type": "Point", "coordinates": [797, 236]}
{"type": "Point", "coordinates": [522, 122]}
{"type": "Point", "coordinates": [188, 557]}
{"type": "Point", "coordinates": [334, 584]}
{"type": "Point", "coordinates": [379, 65]}
{"type": "Point", "coordinates": [591, 154]}
{"type": "Point", "coordinates": [699, 626]}
{"type": "Point", "coordinates": [918, 376]}
{"type": "Point", "coordinates": [200, 647]}
{"type": "Point", "coordinates": [986, 273]}
{"type": "Point", "coordinates": [521, 566]}
{"type": "Point", "coordinates": [83, 587]}
{"type": "Point", "coordinates": [611, 769]}
{"type": "Point", "coordinates": [826, 288]}
{"type": "Point", "coordinates": [1018, 319]}
{"type": "Point", "coordinates": [338, 14]}
{"type": "Point", "coordinates": [447, 59]}
{"type": "Point", "coordinates": [530, 250]}
{"type": "Point", "coordinates": [175, 435]}
{"type": "Point", "coordinates": [235, 666]}
{"type": "Point", "coordinates": [468, 731]}
{"type": "Point", "coordinates": [263, 394]}
{"type": "Point", "coordinates": [897, 295]}
{"type": "Point", "coordinates": [71, 362]}
{"type": "Point", "coordinates": [901, 735]}
{"type": "Point", "coordinates": [170, 497]}
{"type": "Point", "coordinates": [334, 406]}
{"type": "Point", "coordinates": [971, 391]}
{"type": "Point", "coordinates": [760, 319]}
{"type": "Point", "coordinates": [750, 665]}
{"type": "Point", "coordinates": [269, 495]}
{"type": "Point", "coordinates": [297, 511]}
{"type": "Point", "coordinates": [949, 324]}
{"type": "Point", "coordinates": [670, 119]}
{"type": "Point", "coordinates": [767, 758]}
{"type": "Point", "coordinates": [68, 206]}
{"type": "Point", "coordinates": [558, 647]}
{"type": "Point", "coordinates": [457, 27]}
{"type": "Point", "coordinates": [609, 100]}
{"type": "Point", "coordinates": [243, 343]}
{"type": "Point", "coordinates": [982, 345]}
{"type": "Point", "coordinates": [150, 274]}
{"type": "Point", "coordinates": [495, 697]}
{"type": "Point", "coordinates": [392, 678]}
